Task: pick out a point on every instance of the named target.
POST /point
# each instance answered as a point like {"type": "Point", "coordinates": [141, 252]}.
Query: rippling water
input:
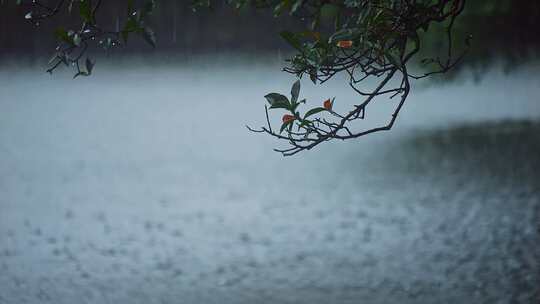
{"type": "Point", "coordinates": [141, 185]}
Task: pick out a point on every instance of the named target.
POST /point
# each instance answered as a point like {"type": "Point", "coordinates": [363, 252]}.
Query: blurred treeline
{"type": "Point", "coordinates": [501, 29]}
{"type": "Point", "coordinates": [178, 28]}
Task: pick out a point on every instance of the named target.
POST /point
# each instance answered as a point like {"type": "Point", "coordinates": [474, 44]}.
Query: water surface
{"type": "Point", "coordinates": [142, 185]}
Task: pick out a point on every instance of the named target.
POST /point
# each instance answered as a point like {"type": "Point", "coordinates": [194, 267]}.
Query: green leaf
{"type": "Point", "coordinates": [277, 100]}
{"type": "Point", "coordinates": [304, 123]}
{"type": "Point", "coordinates": [280, 105]}
{"type": "Point", "coordinates": [285, 125]}
{"type": "Point", "coordinates": [296, 5]}
{"type": "Point", "coordinates": [329, 10]}
{"type": "Point", "coordinates": [295, 91]}
{"type": "Point", "coordinates": [77, 40]}
{"type": "Point", "coordinates": [85, 11]}
{"type": "Point", "coordinates": [316, 21]}
{"type": "Point", "coordinates": [149, 7]}
{"type": "Point", "coordinates": [292, 39]}
{"type": "Point", "coordinates": [149, 36]}
{"type": "Point", "coordinates": [63, 35]}
{"type": "Point", "coordinates": [278, 9]}
{"type": "Point", "coordinates": [345, 34]}
{"type": "Point", "coordinates": [313, 76]}
{"type": "Point", "coordinates": [314, 111]}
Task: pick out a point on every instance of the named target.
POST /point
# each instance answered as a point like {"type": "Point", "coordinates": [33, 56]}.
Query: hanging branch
{"type": "Point", "coordinates": [73, 44]}
{"type": "Point", "coordinates": [378, 40]}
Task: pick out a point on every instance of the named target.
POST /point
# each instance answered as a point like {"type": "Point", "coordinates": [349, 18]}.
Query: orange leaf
{"type": "Point", "coordinates": [346, 44]}
{"type": "Point", "coordinates": [327, 104]}
{"type": "Point", "coordinates": [287, 118]}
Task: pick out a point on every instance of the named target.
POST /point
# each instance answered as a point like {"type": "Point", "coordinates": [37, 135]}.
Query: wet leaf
{"type": "Point", "coordinates": [296, 5]}
{"type": "Point", "coordinates": [77, 40]}
{"type": "Point", "coordinates": [277, 100]}
{"type": "Point", "coordinates": [313, 112]}
{"type": "Point", "coordinates": [285, 125]}
{"type": "Point", "coordinates": [85, 11]}
{"type": "Point", "coordinates": [292, 39]}
{"type": "Point", "coordinates": [149, 36]}
{"type": "Point", "coordinates": [295, 91]}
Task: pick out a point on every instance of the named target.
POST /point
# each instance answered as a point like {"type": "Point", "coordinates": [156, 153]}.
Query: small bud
{"type": "Point", "coordinates": [346, 44]}
{"type": "Point", "coordinates": [287, 118]}
{"type": "Point", "coordinates": [327, 104]}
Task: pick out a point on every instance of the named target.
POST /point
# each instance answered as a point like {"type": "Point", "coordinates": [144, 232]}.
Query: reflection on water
{"type": "Point", "coordinates": [140, 191]}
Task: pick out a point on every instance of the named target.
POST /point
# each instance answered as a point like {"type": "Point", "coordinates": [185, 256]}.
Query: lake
{"type": "Point", "coordinates": [141, 184]}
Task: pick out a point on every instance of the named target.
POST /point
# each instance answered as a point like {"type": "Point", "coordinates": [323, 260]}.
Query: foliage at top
{"type": "Point", "coordinates": [364, 39]}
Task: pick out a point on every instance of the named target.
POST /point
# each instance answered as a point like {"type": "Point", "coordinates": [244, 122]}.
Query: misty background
{"type": "Point", "coordinates": [141, 184]}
